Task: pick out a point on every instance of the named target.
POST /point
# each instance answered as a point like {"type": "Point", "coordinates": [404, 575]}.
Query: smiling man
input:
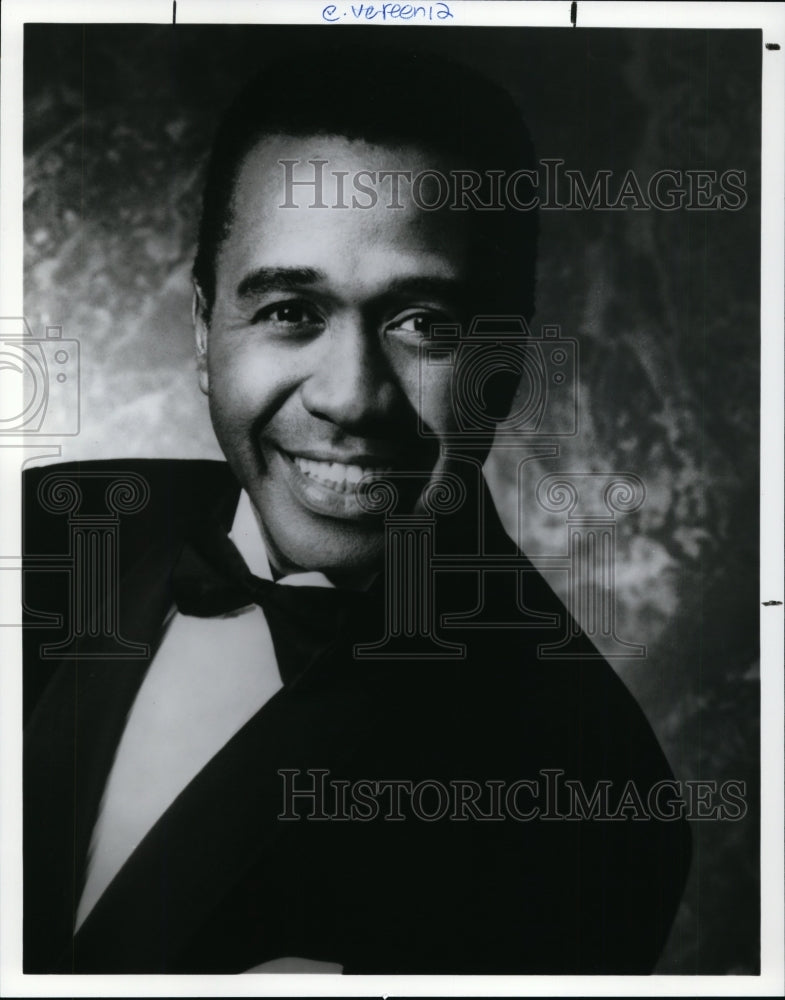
{"type": "Point", "coordinates": [245, 790]}
{"type": "Point", "coordinates": [322, 267]}
{"type": "Point", "coordinates": [310, 351]}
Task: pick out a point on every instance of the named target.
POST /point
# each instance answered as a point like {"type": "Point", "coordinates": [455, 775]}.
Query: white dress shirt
{"type": "Point", "coordinates": [207, 679]}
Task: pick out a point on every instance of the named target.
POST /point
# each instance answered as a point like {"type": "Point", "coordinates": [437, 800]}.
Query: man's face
{"type": "Point", "coordinates": [311, 357]}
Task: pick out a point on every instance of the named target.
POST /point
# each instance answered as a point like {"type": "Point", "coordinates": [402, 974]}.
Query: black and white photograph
{"type": "Point", "coordinates": [391, 425]}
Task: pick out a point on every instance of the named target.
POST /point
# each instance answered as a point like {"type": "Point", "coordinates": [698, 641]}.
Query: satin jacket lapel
{"type": "Point", "coordinates": [69, 748]}
{"type": "Point", "coordinates": [228, 817]}
{"type": "Point", "coordinates": [73, 732]}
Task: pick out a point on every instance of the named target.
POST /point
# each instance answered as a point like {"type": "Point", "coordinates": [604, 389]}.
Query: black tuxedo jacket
{"type": "Point", "coordinates": [221, 883]}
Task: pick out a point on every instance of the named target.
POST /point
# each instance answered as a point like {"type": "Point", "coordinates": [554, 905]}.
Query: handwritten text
{"type": "Point", "coordinates": [387, 12]}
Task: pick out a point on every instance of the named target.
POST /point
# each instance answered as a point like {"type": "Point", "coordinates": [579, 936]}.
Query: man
{"type": "Point", "coordinates": [183, 807]}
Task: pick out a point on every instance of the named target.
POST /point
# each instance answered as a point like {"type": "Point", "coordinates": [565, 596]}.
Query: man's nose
{"type": "Point", "coordinates": [352, 384]}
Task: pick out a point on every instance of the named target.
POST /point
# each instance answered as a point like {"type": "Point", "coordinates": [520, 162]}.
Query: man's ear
{"type": "Point", "coordinates": [201, 332]}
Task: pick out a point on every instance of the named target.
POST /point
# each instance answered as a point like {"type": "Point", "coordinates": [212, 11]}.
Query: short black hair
{"type": "Point", "coordinates": [385, 94]}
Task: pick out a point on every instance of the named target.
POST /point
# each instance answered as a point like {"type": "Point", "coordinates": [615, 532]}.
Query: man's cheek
{"type": "Point", "coordinates": [236, 388]}
{"type": "Point", "coordinates": [435, 405]}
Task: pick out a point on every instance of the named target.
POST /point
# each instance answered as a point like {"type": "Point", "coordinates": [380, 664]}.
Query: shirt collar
{"type": "Point", "coordinates": [248, 540]}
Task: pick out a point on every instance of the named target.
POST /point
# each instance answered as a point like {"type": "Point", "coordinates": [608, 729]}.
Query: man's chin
{"type": "Point", "coordinates": [344, 560]}
{"type": "Point", "coordinates": [299, 540]}
{"type": "Point", "coordinates": [336, 528]}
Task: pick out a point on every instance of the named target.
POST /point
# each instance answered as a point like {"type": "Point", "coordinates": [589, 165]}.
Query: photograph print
{"type": "Point", "coordinates": [390, 507]}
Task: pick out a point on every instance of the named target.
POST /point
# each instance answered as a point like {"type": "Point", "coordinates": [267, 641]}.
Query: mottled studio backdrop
{"type": "Point", "coordinates": [664, 306]}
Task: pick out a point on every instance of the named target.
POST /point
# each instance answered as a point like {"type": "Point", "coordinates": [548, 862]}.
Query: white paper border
{"type": "Point", "coordinates": [770, 18]}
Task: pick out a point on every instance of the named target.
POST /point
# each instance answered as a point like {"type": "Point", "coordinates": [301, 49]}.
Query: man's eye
{"type": "Point", "coordinates": [416, 323]}
{"type": "Point", "coordinates": [289, 314]}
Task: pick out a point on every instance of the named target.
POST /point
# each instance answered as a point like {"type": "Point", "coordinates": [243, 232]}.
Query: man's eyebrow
{"type": "Point", "coordinates": [263, 280]}
{"type": "Point", "coordinates": [423, 284]}
{"type": "Point", "coordinates": [268, 279]}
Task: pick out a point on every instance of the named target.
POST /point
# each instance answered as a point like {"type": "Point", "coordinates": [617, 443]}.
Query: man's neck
{"type": "Point", "coordinates": [248, 535]}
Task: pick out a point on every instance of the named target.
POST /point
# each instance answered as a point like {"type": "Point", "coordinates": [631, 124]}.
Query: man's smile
{"type": "Point", "coordinates": [335, 489]}
{"type": "Point", "coordinates": [326, 488]}
{"type": "Point", "coordinates": [339, 476]}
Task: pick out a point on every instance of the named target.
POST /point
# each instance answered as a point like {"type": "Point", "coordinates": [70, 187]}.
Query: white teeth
{"type": "Point", "coordinates": [338, 476]}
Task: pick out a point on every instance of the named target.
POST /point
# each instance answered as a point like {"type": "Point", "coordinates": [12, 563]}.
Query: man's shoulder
{"type": "Point", "coordinates": [153, 471]}
{"type": "Point", "coordinates": [125, 484]}
{"type": "Point", "coordinates": [147, 498]}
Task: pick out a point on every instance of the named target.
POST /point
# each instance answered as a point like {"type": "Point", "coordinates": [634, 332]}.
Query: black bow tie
{"type": "Point", "coordinates": [211, 578]}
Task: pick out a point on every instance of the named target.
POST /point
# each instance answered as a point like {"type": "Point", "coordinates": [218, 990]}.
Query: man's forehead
{"type": "Point", "coordinates": [319, 200]}
{"type": "Point", "coordinates": [375, 153]}
{"type": "Point", "coordinates": [315, 170]}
